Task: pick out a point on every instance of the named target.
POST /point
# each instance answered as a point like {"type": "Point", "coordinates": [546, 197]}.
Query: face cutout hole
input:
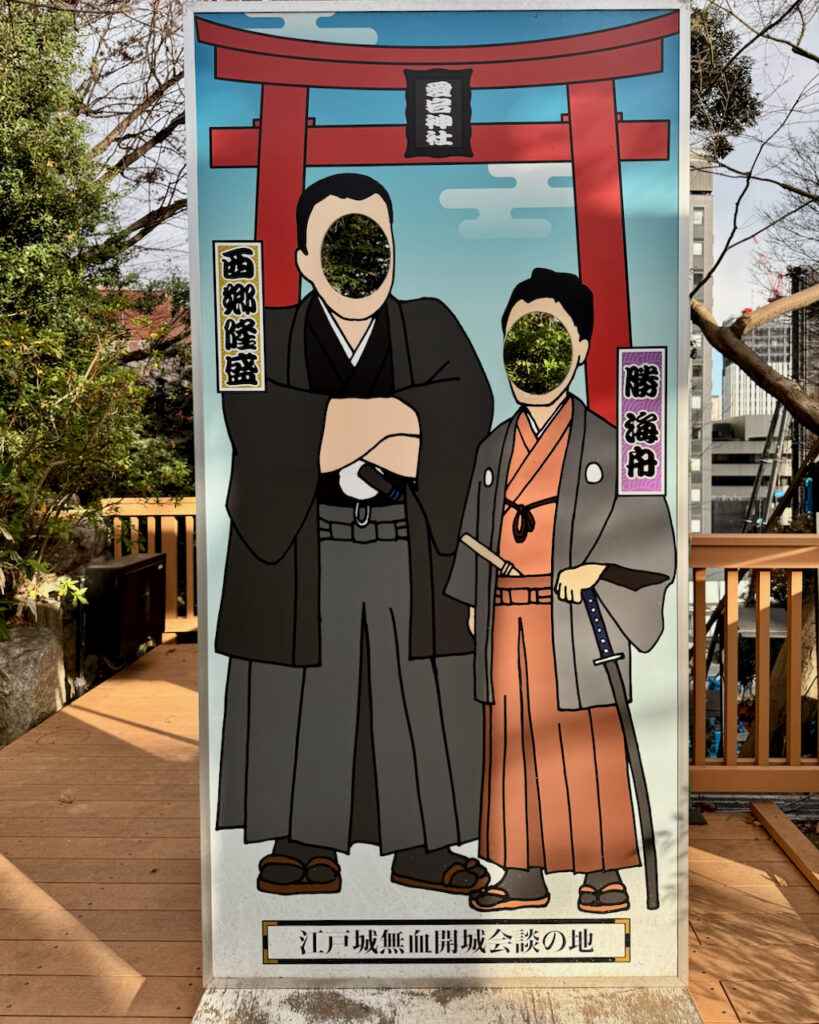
{"type": "Point", "coordinates": [537, 353]}
{"type": "Point", "coordinates": [355, 256]}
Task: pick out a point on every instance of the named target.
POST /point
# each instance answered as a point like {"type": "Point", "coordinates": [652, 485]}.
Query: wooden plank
{"type": "Point", "coordinates": [811, 921]}
{"type": "Point", "coordinates": [700, 668]}
{"type": "Point", "coordinates": [736, 851]}
{"type": "Point", "coordinates": [83, 916]}
{"type": "Point", "coordinates": [150, 534]}
{"type": "Point", "coordinates": [749, 875]}
{"type": "Point", "coordinates": [121, 808]}
{"type": "Point", "coordinates": [749, 872]}
{"type": "Point", "coordinates": [762, 716]}
{"type": "Point", "coordinates": [793, 671]}
{"type": "Point", "coordinates": [710, 999]}
{"type": "Point", "coordinates": [149, 506]}
{"type": "Point", "coordinates": [786, 835]}
{"type": "Point", "coordinates": [158, 871]}
{"type": "Point", "coordinates": [80, 847]}
{"type": "Point", "coordinates": [776, 997]}
{"type": "Point", "coordinates": [91, 789]}
{"type": "Point", "coordinates": [181, 624]}
{"type": "Point", "coordinates": [754, 778]}
{"type": "Point", "coordinates": [754, 551]}
{"type": "Point", "coordinates": [721, 961]}
{"type": "Point", "coordinates": [133, 535]}
{"type": "Point", "coordinates": [113, 828]}
{"type": "Point", "coordinates": [116, 527]}
{"type": "Point", "coordinates": [723, 823]}
{"type": "Point", "coordinates": [96, 896]}
{"type": "Point", "coordinates": [141, 959]}
{"type": "Point", "coordinates": [94, 997]}
{"type": "Point", "coordinates": [169, 529]}
{"type": "Point", "coordinates": [190, 586]}
{"type": "Point", "coordinates": [730, 692]}
{"type": "Point", "coordinates": [121, 925]}
{"type": "Point", "coordinates": [803, 899]}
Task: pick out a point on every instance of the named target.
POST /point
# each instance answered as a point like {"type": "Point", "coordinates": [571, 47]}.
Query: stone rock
{"type": "Point", "coordinates": [88, 540]}
{"type": "Point", "coordinates": [32, 680]}
{"type": "Point", "coordinates": [61, 618]}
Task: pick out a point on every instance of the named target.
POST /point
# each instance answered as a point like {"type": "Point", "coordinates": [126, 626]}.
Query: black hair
{"type": "Point", "coordinates": [343, 186]}
{"type": "Point", "coordinates": [567, 289]}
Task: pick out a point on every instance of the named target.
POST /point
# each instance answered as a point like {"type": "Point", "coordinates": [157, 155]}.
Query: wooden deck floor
{"type": "Point", "coordinates": [99, 874]}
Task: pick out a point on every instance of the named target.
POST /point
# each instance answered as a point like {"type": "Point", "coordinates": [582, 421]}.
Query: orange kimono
{"type": "Point", "coordinates": [555, 789]}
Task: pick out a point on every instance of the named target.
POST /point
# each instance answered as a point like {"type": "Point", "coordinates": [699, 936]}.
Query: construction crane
{"type": "Point", "coordinates": [776, 282]}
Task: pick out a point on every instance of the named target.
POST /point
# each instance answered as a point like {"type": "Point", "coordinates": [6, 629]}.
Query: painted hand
{"type": "Point", "coordinates": [572, 582]}
{"type": "Point", "coordinates": [397, 454]}
{"type": "Point", "coordinates": [471, 620]}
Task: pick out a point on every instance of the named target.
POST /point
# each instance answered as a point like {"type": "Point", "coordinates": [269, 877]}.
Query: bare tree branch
{"type": "Point", "coordinates": [766, 31]}
{"type": "Point", "coordinates": [133, 155]}
{"type": "Point", "coordinates": [150, 101]}
{"type": "Point", "coordinates": [144, 225]}
{"type": "Point", "coordinates": [728, 341]}
{"type": "Point", "coordinates": [785, 185]}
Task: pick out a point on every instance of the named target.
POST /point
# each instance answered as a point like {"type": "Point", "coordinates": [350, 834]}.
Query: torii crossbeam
{"type": "Point", "coordinates": [592, 136]}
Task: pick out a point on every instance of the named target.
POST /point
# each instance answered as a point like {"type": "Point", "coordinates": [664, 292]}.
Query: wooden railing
{"type": "Point", "coordinates": [750, 560]}
{"type": "Point", "coordinates": [167, 525]}
{"type": "Point", "coordinates": [743, 560]}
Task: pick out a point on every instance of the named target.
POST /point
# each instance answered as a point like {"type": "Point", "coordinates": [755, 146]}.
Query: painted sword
{"type": "Point", "coordinates": [609, 659]}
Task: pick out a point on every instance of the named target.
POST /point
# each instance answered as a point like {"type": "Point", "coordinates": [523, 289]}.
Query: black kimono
{"type": "Point", "coordinates": [291, 757]}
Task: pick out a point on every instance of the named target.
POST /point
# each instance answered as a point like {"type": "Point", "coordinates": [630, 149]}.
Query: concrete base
{"type": "Point", "coordinates": [448, 1006]}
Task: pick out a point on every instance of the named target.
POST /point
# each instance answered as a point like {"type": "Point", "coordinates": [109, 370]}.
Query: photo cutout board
{"type": "Point", "coordinates": [439, 265]}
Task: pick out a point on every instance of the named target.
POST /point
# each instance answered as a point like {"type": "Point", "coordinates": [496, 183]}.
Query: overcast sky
{"type": "Point", "coordinates": [734, 286]}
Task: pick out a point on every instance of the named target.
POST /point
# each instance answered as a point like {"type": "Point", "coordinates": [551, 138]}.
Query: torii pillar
{"type": "Point", "coordinates": [592, 136]}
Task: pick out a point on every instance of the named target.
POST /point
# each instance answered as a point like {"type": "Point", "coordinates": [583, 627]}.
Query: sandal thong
{"type": "Point", "coordinates": [302, 884]}
{"type": "Point", "coordinates": [506, 902]}
{"type": "Point", "coordinates": [590, 902]}
{"type": "Point", "coordinates": [471, 865]}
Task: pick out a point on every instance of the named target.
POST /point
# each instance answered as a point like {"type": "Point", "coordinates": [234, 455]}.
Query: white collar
{"type": "Point", "coordinates": [539, 430]}
{"type": "Point", "coordinates": [353, 354]}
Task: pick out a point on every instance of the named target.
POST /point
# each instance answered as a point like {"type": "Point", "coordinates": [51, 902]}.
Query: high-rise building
{"type": "Point", "coordinates": [740, 395]}
{"type": "Point", "coordinates": [805, 362]}
{"type": "Point", "coordinates": [701, 256]}
{"type": "Point", "coordinates": [737, 461]}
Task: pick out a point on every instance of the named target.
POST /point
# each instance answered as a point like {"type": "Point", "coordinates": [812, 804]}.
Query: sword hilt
{"type": "Point", "coordinates": [601, 634]}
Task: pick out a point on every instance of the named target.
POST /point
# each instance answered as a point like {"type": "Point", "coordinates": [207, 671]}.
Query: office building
{"type": "Point", "coordinates": [740, 395]}
{"type": "Point", "coordinates": [701, 256]}
{"type": "Point", "coordinates": [737, 448]}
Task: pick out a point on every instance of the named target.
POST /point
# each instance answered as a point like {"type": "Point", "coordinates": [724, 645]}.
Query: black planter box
{"type": "Point", "coordinates": [126, 603]}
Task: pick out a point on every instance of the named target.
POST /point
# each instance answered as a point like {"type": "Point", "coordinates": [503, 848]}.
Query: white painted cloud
{"type": "Point", "coordinates": [315, 26]}
{"type": "Point", "coordinates": [496, 207]}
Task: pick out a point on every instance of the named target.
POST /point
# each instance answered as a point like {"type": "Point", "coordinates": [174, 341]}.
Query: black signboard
{"type": "Point", "coordinates": [439, 114]}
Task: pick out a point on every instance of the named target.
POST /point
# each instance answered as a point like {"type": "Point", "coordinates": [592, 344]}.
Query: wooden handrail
{"type": "Point", "coordinates": [754, 551]}
{"type": "Point", "coordinates": [162, 518]}
{"type": "Point", "coordinates": [148, 507]}
{"type": "Point", "coordinates": [763, 554]}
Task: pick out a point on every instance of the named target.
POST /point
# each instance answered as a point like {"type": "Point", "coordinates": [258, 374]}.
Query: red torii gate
{"type": "Point", "coordinates": [592, 135]}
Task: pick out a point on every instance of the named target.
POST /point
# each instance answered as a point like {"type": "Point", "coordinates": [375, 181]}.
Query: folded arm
{"type": "Point", "coordinates": [354, 428]}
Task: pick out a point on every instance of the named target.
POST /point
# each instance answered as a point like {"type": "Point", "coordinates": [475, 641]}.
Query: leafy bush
{"type": "Point", "coordinates": [75, 424]}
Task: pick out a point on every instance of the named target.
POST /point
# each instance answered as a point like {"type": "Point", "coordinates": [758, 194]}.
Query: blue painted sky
{"type": "Point", "coordinates": [444, 247]}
